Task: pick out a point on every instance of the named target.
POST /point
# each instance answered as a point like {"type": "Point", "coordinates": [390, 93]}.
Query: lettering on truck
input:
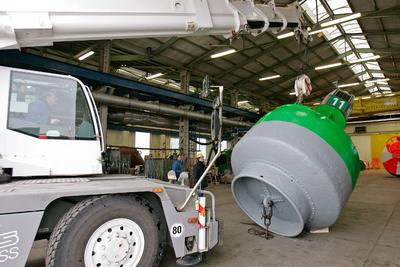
{"type": "Point", "coordinates": [8, 246]}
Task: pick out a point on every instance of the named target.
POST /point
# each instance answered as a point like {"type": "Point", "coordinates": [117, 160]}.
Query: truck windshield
{"type": "Point", "coordinates": [48, 107]}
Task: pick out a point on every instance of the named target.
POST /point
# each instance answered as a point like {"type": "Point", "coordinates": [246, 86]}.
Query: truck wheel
{"type": "Point", "coordinates": [117, 230]}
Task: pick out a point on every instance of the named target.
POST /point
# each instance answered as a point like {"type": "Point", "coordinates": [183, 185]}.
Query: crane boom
{"type": "Point", "coordinates": [40, 23]}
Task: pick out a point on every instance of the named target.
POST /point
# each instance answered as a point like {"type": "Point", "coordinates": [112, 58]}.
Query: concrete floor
{"type": "Point", "coordinates": [367, 233]}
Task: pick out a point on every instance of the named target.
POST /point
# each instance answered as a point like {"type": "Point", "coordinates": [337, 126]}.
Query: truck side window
{"type": "Point", "coordinates": [48, 107]}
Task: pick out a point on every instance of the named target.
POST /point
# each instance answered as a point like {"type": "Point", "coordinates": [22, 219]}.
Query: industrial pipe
{"type": "Point", "coordinates": [161, 109]}
{"type": "Point", "coordinates": [153, 120]}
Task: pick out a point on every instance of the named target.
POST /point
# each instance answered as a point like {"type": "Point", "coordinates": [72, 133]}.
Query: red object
{"type": "Point", "coordinates": [391, 156]}
{"type": "Point", "coordinates": [136, 159]}
{"type": "Point", "coordinates": [42, 136]}
{"type": "Point", "coordinates": [393, 146]}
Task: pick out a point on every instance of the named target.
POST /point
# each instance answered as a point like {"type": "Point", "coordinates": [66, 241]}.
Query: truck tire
{"type": "Point", "coordinates": [109, 230]}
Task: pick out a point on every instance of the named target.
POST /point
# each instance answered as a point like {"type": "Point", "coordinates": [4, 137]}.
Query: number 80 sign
{"type": "Point", "coordinates": [177, 230]}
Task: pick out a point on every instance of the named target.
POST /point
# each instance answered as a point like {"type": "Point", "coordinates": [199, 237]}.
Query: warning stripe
{"type": "Point", "coordinates": [202, 216]}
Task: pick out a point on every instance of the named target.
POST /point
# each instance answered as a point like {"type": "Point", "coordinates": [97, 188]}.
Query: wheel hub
{"type": "Point", "coordinates": [118, 242]}
{"type": "Point", "coordinates": [117, 249]}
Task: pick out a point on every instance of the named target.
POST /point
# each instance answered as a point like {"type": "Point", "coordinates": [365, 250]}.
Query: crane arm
{"type": "Point", "coordinates": [40, 23]}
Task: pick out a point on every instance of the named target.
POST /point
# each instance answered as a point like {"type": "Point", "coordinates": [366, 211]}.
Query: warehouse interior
{"type": "Point", "coordinates": [158, 100]}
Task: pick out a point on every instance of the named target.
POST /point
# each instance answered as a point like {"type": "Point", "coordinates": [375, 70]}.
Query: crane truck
{"type": "Point", "coordinates": [51, 158]}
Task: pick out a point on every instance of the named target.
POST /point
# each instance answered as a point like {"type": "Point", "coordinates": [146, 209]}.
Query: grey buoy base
{"type": "Point", "coordinates": [305, 178]}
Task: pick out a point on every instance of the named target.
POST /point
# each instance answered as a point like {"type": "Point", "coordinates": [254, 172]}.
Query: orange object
{"type": "Point", "coordinates": [158, 190]}
{"type": "Point", "coordinates": [192, 220]}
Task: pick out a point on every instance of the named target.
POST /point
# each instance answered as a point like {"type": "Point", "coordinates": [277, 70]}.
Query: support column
{"type": "Point", "coordinates": [104, 66]}
{"type": "Point", "coordinates": [184, 136]}
{"type": "Point", "coordinates": [185, 81]}
{"type": "Point", "coordinates": [104, 62]}
{"type": "Point", "coordinates": [234, 97]}
{"type": "Point", "coordinates": [184, 122]}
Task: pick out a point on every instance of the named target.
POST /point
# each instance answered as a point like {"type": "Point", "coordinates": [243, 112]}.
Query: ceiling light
{"type": "Point", "coordinates": [223, 53]}
{"type": "Point", "coordinates": [316, 31]}
{"type": "Point", "coordinates": [390, 95]}
{"type": "Point", "coordinates": [377, 80]}
{"type": "Point", "coordinates": [292, 93]}
{"type": "Point", "coordinates": [328, 66]}
{"type": "Point", "coordinates": [364, 59]}
{"type": "Point", "coordinates": [320, 30]}
{"type": "Point", "coordinates": [86, 55]}
{"type": "Point", "coordinates": [243, 102]}
{"type": "Point", "coordinates": [365, 97]}
{"type": "Point", "coordinates": [347, 85]}
{"type": "Point", "coordinates": [317, 104]}
{"type": "Point", "coordinates": [269, 77]}
{"type": "Point", "coordinates": [154, 76]}
{"type": "Point", "coordinates": [341, 20]}
{"type": "Point", "coordinates": [285, 35]}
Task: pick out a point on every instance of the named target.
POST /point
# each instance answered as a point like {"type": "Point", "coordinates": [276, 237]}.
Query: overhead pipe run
{"type": "Point", "coordinates": [151, 120]}
{"type": "Point", "coordinates": [161, 109]}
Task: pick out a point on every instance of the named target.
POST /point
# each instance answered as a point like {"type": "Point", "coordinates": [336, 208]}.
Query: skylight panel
{"type": "Point", "coordinates": [359, 43]}
{"type": "Point", "coordinates": [357, 68]}
{"type": "Point", "coordinates": [332, 32]}
{"type": "Point", "coordinates": [352, 56]}
{"type": "Point", "coordinates": [364, 77]}
{"type": "Point", "coordinates": [344, 45]}
{"type": "Point", "coordinates": [351, 27]}
{"type": "Point", "coordinates": [311, 10]}
{"type": "Point", "coordinates": [366, 55]}
{"type": "Point", "coordinates": [339, 6]}
{"type": "Point", "coordinates": [373, 65]}
{"type": "Point", "coordinates": [341, 46]}
{"type": "Point", "coordinates": [378, 75]}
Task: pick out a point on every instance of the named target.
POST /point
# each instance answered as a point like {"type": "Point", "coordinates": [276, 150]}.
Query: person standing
{"type": "Point", "coordinates": [177, 166]}
{"type": "Point", "coordinates": [198, 171]}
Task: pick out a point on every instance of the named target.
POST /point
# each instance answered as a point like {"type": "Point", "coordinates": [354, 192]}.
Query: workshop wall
{"type": "Point", "coordinates": [371, 143]}
{"type": "Point", "coordinates": [120, 138]}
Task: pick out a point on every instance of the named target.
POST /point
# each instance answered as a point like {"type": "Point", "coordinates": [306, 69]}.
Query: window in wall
{"type": "Point", "coordinates": [142, 141]}
{"type": "Point", "coordinates": [174, 143]}
{"type": "Point", "coordinates": [48, 107]}
{"type": "Point", "coordinates": [202, 148]}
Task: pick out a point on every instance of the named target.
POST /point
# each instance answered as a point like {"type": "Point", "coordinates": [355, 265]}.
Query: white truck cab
{"type": "Point", "coordinates": [49, 125]}
{"type": "Point", "coordinates": [51, 158]}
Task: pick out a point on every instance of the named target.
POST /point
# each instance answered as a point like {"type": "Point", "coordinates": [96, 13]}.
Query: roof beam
{"type": "Point", "coordinates": [165, 45]}
{"type": "Point", "coordinates": [289, 59]}
{"type": "Point", "coordinates": [131, 48]}
{"type": "Point", "coordinates": [374, 33]}
{"type": "Point", "coordinates": [122, 58]}
{"type": "Point", "coordinates": [305, 71]}
{"type": "Point", "coordinates": [270, 46]}
{"type": "Point", "coordinates": [384, 13]}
